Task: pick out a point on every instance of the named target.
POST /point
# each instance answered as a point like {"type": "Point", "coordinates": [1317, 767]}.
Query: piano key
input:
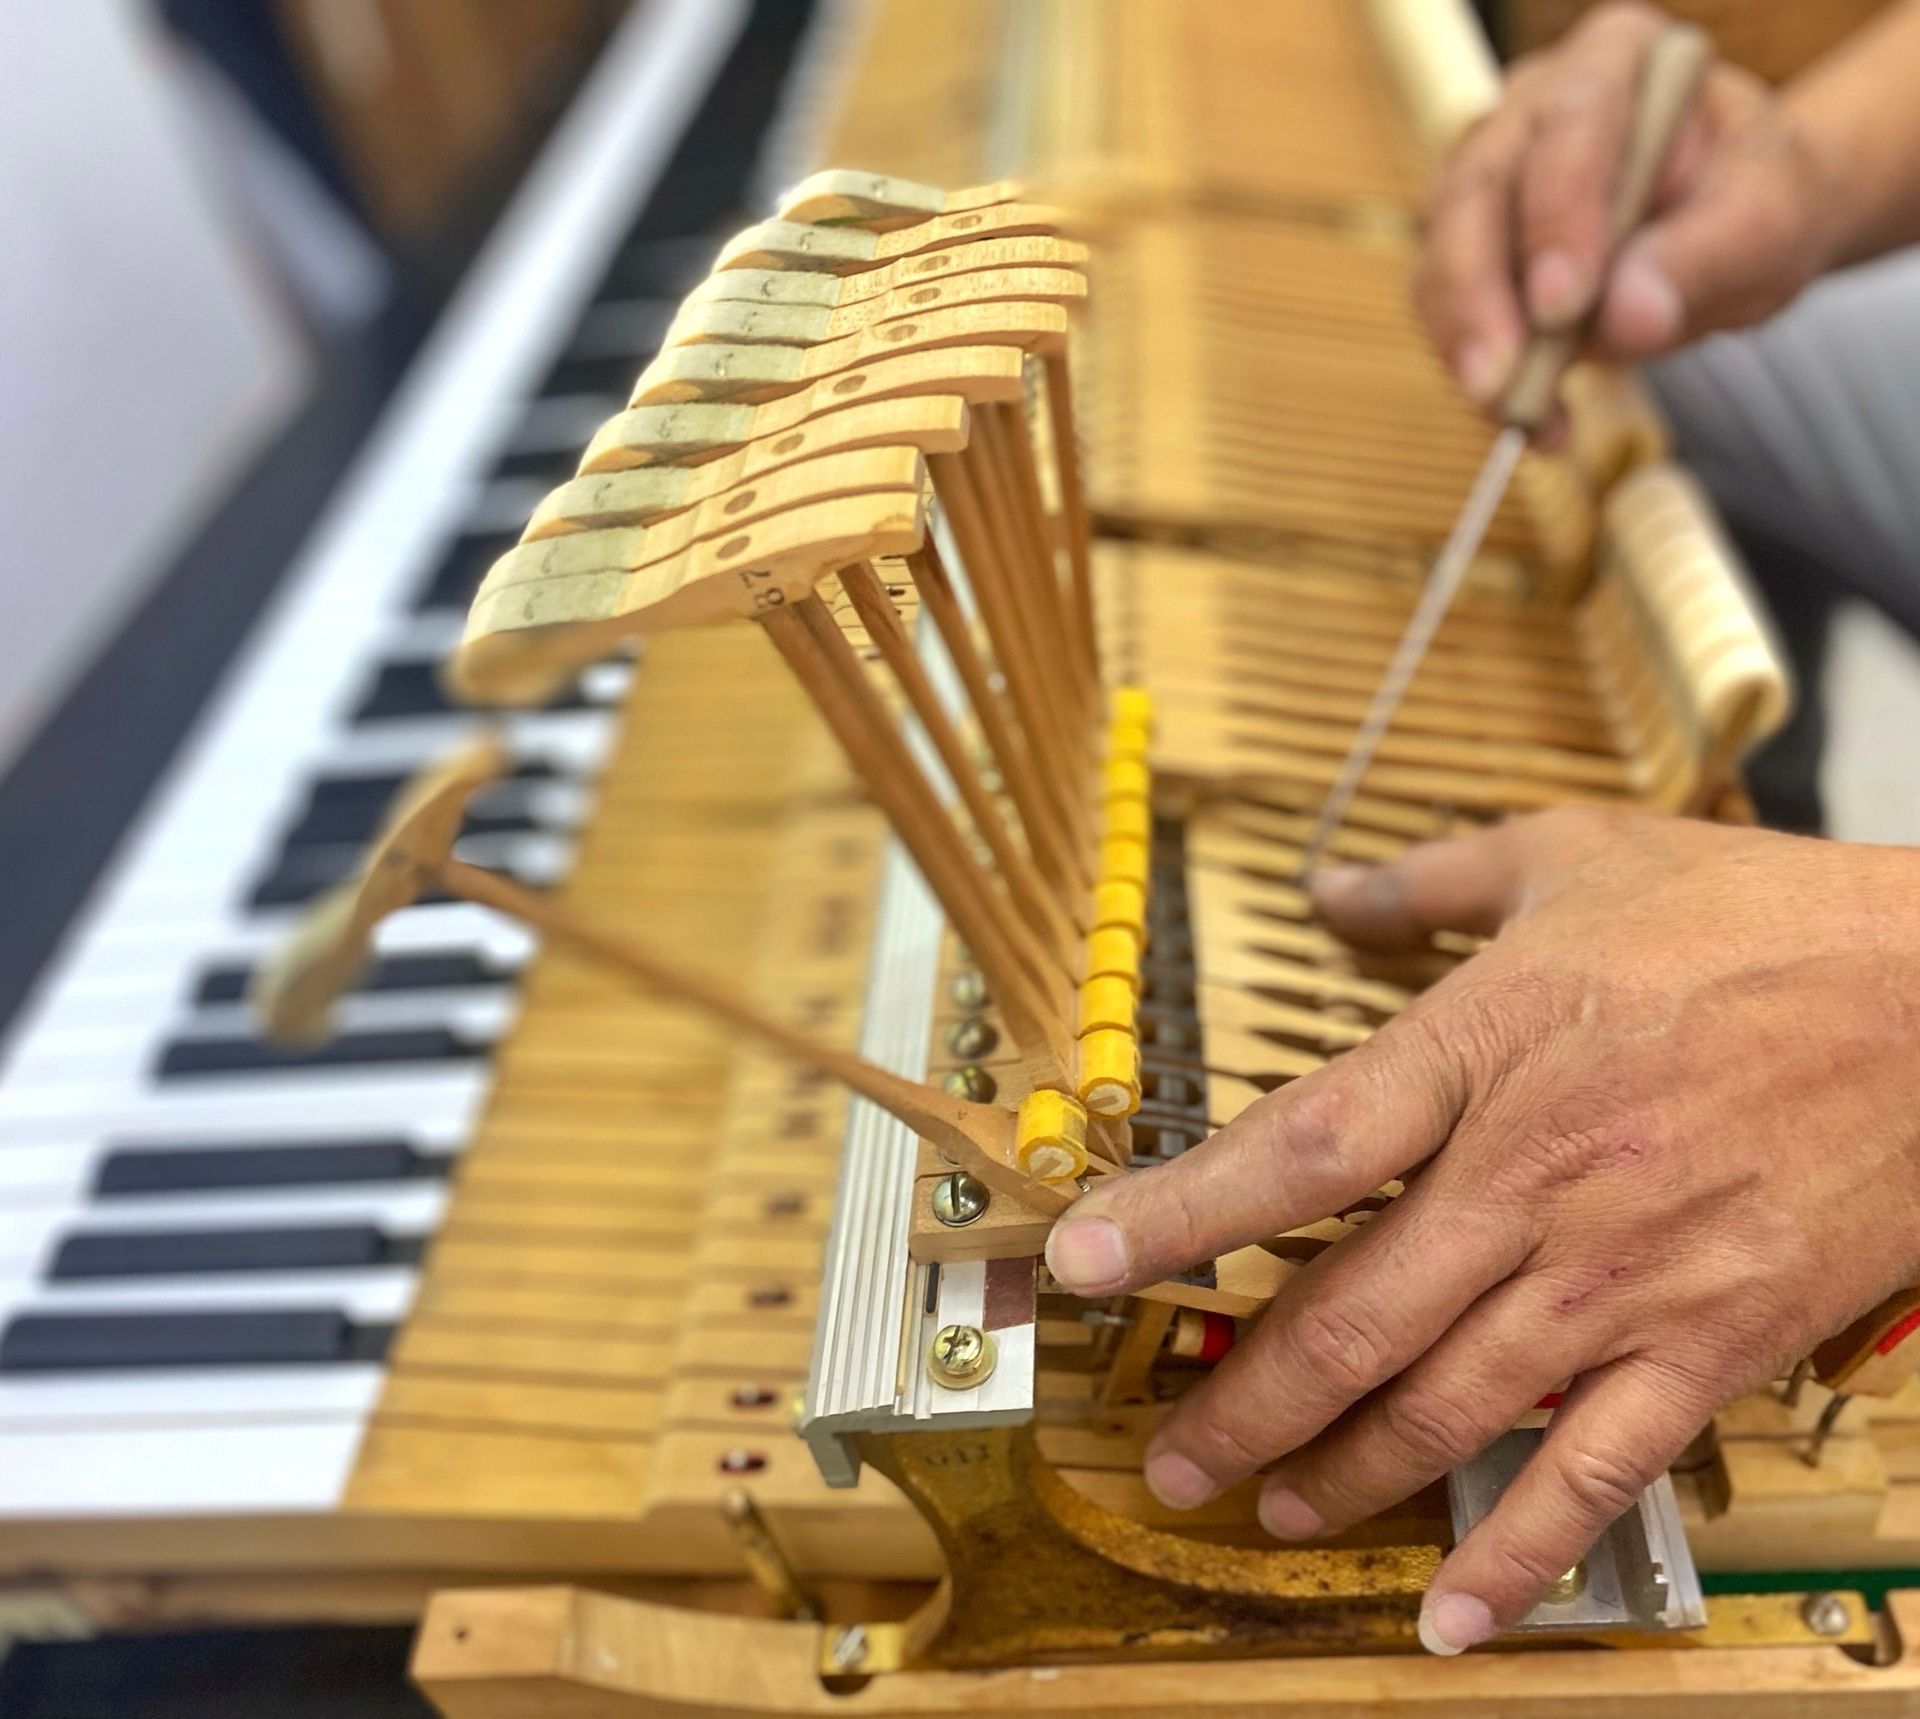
{"type": "Point", "coordinates": [75, 1342]}
{"type": "Point", "coordinates": [375, 1098]}
{"type": "Point", "coordinates": [189, 1058]}
{"type": "Point", "coordinates": [457, 574]}
{"type": "Point", "coordinates": [300, 1463]}
{"type": "Point", "coordinates": [378, 1295]}
{"type": "Point", "coordinates": [299, 874]}
{"type": "Point", "coordinates": [623, 327]}
{"type": "Point", "coordinates": [561, 423]}
{"type": "Point", "coordinates": [87, 1400]}
{"type": "Point", "coordinates": [129, 1171]}
{"type": "Point", "coordinates": [93, 1254]}
{"type": "Point", "coordinates": [231, 981]}
{"type": "Point", "coordinates": [29, 1235]}
{"type": "Point", "coordinates": [414, 689]}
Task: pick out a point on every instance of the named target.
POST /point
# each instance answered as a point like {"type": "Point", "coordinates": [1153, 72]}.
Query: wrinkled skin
{"type": "Point", "coordinates": [1666, 1139]}
{"type": "Point", "coordinates": [1516, 230]}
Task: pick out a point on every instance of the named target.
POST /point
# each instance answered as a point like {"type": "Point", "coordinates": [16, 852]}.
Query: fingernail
{"type": "Point", "coordinates": [1339, 879]}
{"type": "Point", "coordinates": [1452, 1623]}
{"type": "Point", "coordinates": [1087, 1254]}
{"type": "Point", "coordinates": [1556, 292]}
{"type": "Point", "coordinates": [1644, 309]}
{"type": "Point", "coordinates": [1481, 368]}
{"type": "Point", "coordinates": [1287, 1516]}
{"type": "Point", "coordinates": [1176, 1482]}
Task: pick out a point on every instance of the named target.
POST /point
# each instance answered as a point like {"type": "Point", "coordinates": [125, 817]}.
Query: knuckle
{"type": "Point", "coordinates": [1520, 1566]}
{"type": "Point", "coordinates": [1575, 1135]}
{"type": "Point", "coordinates": [1601, 1485]}
{"type": "Point", "coordinates": [1438, 1430]}
{"type": "Point", "coordinates": [1343, 1350]}
{"type": "Point", "coordinates": [1225, 1446]}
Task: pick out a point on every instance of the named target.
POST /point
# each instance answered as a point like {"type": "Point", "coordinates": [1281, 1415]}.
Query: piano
{"type": "Point", "coordinates": [524, 1277]}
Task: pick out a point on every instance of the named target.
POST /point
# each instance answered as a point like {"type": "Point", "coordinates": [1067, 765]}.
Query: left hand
{"type": "Point", "coordinates": [1670, 1141]}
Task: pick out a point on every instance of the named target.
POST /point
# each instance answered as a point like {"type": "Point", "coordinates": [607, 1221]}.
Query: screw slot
{"type": "Point", "coordinates": [960, 1357]}
{"type": "Point", "coordinates": [959, 1199]}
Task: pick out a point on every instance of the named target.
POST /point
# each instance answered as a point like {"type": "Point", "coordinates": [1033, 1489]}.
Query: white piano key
{"type": "Point", "coordinates": [390, 1098]}
{"type": "Point", "coordinates": [481, 1015]}
{"type": "Point", "coordinates": [196, 1395]}
{"type": "Point", "coordinates": [292, 1464]}
{"type": "Point", "coordinates": [405, 1208]}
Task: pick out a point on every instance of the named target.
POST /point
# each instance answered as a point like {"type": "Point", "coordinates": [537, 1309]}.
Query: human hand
{"type": "Point", "coordinates": [1517, 227]}
{"type": "Point", "coordinates": [1670, 1143]}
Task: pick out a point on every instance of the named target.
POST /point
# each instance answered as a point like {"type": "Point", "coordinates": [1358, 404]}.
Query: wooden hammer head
{"type": "Point", "coordinates": [294, 993]}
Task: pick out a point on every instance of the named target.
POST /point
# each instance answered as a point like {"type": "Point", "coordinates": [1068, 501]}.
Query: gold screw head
{"type": "Point", "coordinates": [968, 990]}
{"type": "Point", "coordinates": [972, 1083]}
{"type": "Point", "coordinates": [960, 1356]}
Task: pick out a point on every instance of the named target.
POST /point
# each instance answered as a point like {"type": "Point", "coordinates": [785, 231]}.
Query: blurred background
{"type": "Point", "coordinates": [252, 249]}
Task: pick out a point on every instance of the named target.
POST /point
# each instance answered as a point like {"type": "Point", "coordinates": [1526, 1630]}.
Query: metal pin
{"type": "Point", "coordinates": [765, 1562]}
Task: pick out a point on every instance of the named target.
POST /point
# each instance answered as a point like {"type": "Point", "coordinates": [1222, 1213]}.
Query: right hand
{"type": "Point", "coordinates": [1516, 233]}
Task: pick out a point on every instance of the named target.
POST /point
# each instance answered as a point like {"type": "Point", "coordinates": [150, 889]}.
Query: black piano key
{"type": "Point", "coordinates": [301, 874]}
{"type": "Point", "coordinates": [93, 1342]}
{"type": "Point", "coordinates": [453, 582]}
{"type": "Point", "coordinates": [87, 1255]}
{"type": "Point", "coordinates": [551, 466]}
{"type": "Point", "coordinates": [230, 981]}
{"type": "Point", "coordinates": [402, 689]}
{"type": "Point", "coordinates": [351, 808]}
{"type": "Point", "coordinates": [594, 373]}
{"type": "Point", "coordinates": [133, 1170]}
{"type": "Point", "coordinates": [186, 1058]}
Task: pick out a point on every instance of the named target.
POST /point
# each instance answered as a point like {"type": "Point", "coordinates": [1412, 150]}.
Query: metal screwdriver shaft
{"type": "Point", "coordinates": [1667, 82]}
{"type": "Point", "coordinates": [1462, 544]}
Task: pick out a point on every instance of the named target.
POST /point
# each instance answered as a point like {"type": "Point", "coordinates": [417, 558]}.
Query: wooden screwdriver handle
{"type": "Point", "coordinates": [1673, 70]}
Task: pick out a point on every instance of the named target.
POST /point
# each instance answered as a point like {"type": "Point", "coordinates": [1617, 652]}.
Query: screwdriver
{"type": "Point", "coordinates": [1673, 69]}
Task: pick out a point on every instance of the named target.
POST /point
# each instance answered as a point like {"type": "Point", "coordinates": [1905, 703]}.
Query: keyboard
{"type": "Point", "coordinates": [206, 1243]}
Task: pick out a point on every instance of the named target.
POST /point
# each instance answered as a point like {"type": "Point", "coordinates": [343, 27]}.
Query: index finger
{"type": "Point", "coordinates": [1300, 1154]}
{"type": "Point", "coordinates": [1464, 288]}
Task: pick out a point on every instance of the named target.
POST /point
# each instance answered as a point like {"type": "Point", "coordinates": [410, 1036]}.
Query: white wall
{"type": "Point", "coordinates": [142, 354]}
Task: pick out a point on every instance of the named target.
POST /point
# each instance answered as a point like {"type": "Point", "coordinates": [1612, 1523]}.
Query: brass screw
{"type": "Point", "coordinates": [971, 1037]}
{"type": "Point", "coordinates": [1568, 1588]}
{"type": "Point", "coordinates": [972, 1083]}
{"type": "Point", "coordinates": [961, 1356]}
{"type": "Point", "coordinates": [1826, 1613]}
{"type": "Point", "coordinates": [968, 990]}
{"type": "Point", "coordinates": [959, 1199]}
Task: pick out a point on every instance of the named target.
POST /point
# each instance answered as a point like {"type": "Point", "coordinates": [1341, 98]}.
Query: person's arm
{"type": "Point", "coordinates": [1764, 192]}
{"type": "Point", "coordinates": [1660, 1139]}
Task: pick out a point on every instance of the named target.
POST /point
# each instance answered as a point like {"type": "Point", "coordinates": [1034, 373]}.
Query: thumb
{"type": "Point", "coordinates": [1731, 254]}
{"type": "Point", "coordinates": [1475, 884]}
